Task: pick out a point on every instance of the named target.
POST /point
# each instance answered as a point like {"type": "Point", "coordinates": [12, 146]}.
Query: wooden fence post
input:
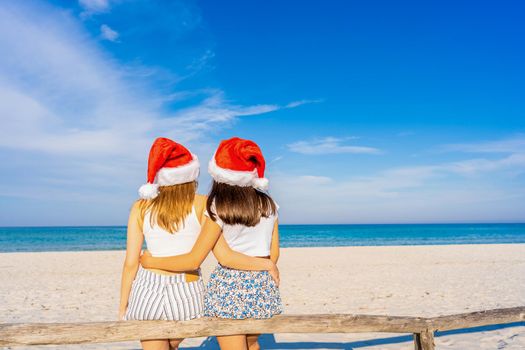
{"type": "Point", "coordinates": [424, 340]}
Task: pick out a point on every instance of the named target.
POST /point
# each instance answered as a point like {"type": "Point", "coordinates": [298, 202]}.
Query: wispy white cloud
{"type": "Point", "coordinates": [304, 202]}
{"type": "Point", "coordinates": [408, 177]}
{"type": "Point", "coordinates": [94, 6]}
{"type": "Point", "coordinates": [314, 180]}
{"type": "Point", "coordinates": [107, 33]}
{"type": "Point", "coordinates": [513, 149]}
{"type": "Point", "coordinates": [329, 145]}
{"type": "Point", "coordinates": [213, 110]}
{"type": "Point", "coordinates": [275, 159]}
{"type": "Point", "coordinates": [514, 144]}
{"type": "Point", "coordinates": [443, 192]}
{"type": "Point", "coordinates": [468, 190]}
{"type": "Point", "coordinates": [302, 102]}
{"type": "Point", "coordinates": [201, 63]}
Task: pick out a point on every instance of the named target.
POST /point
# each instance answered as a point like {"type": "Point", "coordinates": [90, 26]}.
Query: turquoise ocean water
{"type": "Point", "coordinates": [34, 239]}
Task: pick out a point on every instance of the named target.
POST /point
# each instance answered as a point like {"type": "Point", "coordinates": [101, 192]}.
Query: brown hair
{"type": "Point", "coordinates": [236, 205]}
{"type": "Point", "coordinates": [171, 206]}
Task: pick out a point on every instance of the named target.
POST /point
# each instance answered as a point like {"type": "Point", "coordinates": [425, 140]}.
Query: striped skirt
{"type": "Point", "coordinates": [164, 297]}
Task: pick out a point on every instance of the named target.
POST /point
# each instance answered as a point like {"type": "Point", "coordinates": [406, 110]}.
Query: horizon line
{"type": "Point", "coordinates": [295, 224]}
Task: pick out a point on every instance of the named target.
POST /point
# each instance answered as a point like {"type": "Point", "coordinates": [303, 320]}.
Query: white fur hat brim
{"type": "Point", "coordinates": [236, 178]}
{"type": "Point", "coordinates": [171, 176]}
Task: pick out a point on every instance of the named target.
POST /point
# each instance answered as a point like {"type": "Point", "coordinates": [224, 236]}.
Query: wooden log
{"type": "Point", "coordinates": [105, 332]}
{"type": "Point", "coordinates": [478, 319]}
{"type": "Point", "coordinates": [424, 340]}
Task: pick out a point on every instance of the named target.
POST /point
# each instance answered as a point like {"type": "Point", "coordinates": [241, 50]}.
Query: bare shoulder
{"type": "Point", "coordinates": [136, 209]}
{"type": "Point", "coordinates": [200, 202]}
{"type": "Point", "coordinates": [135, 214]}
{"type": "Point", "coordinates": [137, 205]}
{"type": "Point", "coordinates": [200, 199]}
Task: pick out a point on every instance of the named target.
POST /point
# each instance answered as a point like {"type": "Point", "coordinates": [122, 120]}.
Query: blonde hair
{"type": "Point", "coordinates": [171, 206]}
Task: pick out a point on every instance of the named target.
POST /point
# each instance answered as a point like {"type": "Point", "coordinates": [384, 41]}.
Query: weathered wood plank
{"type": "Point", "coordinates": [478, 319]}
{"type": "Point", "coordinates": [424, 340]}
{"type": "Point", "coordinates": [105, 332]}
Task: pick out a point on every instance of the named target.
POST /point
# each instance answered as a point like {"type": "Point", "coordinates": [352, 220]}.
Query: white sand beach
{"type": "Point", "coordinates": [408, 280]}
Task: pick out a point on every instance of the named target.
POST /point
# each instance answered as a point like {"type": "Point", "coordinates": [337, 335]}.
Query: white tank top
{"type": "Point", "coordinates": [252, 241]}
{"type": "Point", "coordinates": [162, 243]}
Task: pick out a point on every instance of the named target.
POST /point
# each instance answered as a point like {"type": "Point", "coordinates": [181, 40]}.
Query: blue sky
{"type": "Point", "coordinates": [367, 112]}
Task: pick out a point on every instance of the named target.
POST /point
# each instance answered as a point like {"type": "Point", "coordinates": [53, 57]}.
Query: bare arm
{"type": "Point", "coordinates": [200, 207]}
{"type": "Point", "coordinates": [274, 247]}
{"type": "Point", "coordinates": [230, 258]}
{"type": "Point", "coordinates": [134, 241]}
{"type": "Point", "coordinates": [210, 237]}
{"type": "Point", "coordinates": [210, 232]}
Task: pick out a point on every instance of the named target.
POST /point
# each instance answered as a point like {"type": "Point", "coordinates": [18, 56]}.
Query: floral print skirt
{"type": "Point", "coordinates": [241, 294]}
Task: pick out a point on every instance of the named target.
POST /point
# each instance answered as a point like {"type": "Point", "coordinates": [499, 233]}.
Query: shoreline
{"type": "Point", "coordinates": [288, 247]}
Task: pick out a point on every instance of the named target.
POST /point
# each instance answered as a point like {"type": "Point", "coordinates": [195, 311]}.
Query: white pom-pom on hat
{"type": "Point", "coordinates": [149, 191]}
{"type": "Point", "coordinates": [261, 183]}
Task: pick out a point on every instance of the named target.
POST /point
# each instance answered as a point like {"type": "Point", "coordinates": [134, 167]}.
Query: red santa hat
{"type": "Point", "coordinates": [239, 162]}
{"type": "Point", "coordinates": [169, 163]}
